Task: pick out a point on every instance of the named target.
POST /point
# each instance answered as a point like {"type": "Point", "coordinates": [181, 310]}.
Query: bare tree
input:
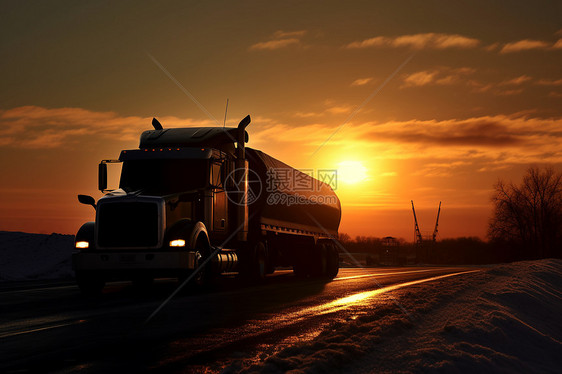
{"type": "Point", "coordinates": [530, 215]}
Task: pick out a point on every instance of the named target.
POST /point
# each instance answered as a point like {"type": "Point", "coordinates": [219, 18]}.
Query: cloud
{"type": "Point", "coordinates": [516, 138]}
{"type": "Point", "coordinates": [442, 169]}
{"type": "Point", "coordinates": [516, 81]}
{"type": "Point", "coordinates": [361, 81]}
{"type": "Point", "coordinates": [449, 76]}
{"type": "Point", "coordinates": [389, 174]}
{"type": "Point", "coordinates": [474, 132]}
{"type": "Point", "coordinates": [418, 41]}
{"type": "Point", "coordinates": [439, 76]}
{"type": "Point", "coordinates": [36, 127]}
{"type": "Point", "coordinates": [339, 109]}
{"type": "Point", "coordinates": [524, 45]}
{"type": "Point", "coordinates": [306, 114]}
{"type": "Point", "coordinates": [550, 82]}
{"type": "Point", "coordinates": [492, 47]}
{"type": "Point", "coordinates": [280, 34]}
{"type": "Point", "coordinates": [421, 78]}
{"type": "Point", "coordinates": [281, 39]}
{"type": "Point", "coordinates": [515, 91]}
{"type": "Point", "coordinates": [558, 44]}
{"type": "Point", "coordinates": [274, 44]}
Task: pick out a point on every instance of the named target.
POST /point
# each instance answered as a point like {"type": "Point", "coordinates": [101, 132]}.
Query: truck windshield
{"type": "Point", "coordinates": [163, 177]}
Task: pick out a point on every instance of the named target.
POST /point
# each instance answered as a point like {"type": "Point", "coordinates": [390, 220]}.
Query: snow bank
{"type": "Point", "coordinates": [503, 319]}
{"type": "Point", "coordinates": [35, 256]}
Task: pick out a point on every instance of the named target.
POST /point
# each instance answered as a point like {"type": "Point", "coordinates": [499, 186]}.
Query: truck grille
{"type": "Point", "coordinates": [128, 224]}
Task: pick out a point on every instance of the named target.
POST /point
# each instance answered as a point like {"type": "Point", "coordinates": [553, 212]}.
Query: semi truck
{"type": "Point", "coordinates": [196, 203]}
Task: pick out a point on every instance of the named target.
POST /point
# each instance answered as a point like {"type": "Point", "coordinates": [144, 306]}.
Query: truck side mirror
{"type": "Point", "coordinates": [88, 200]}
{"type": "Point", "coordinates": [102, 176]}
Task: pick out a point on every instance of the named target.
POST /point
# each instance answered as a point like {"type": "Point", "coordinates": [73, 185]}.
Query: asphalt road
{"type": "Point", "coordinates": [50, 327]}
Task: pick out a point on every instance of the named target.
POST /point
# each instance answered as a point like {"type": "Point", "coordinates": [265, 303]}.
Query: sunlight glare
{"type": "Point", "coordinates": [351, 172]}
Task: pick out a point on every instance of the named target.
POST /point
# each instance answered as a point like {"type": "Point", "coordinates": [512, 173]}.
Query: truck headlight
{"type": "Point", "coordinates": [82, 244]}
{"type": "Point", "coordinates": [177, 243]}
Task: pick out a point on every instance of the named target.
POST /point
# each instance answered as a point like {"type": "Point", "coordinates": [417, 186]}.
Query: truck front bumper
{"type": "Point", "coordinates": [126, 260]}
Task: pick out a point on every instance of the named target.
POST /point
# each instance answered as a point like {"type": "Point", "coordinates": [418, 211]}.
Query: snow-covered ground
{"type": "Point", "coordinates": [26, 256]}
{"type": "Point", "coordinates": [507, 318]}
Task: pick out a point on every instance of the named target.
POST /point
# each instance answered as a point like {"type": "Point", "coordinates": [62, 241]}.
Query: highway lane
{"type": "Point", "coordinates": [51, 327]}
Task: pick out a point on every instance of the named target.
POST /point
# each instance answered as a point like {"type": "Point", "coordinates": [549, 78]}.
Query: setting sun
{"type": "Point", "coordinates": [351, 172]}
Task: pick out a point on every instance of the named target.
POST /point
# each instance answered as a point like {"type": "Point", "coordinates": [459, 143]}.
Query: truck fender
{"type": "Point", "coordinates": [86, 233]}
{"type": "Point", "coordinates": [190, 231]}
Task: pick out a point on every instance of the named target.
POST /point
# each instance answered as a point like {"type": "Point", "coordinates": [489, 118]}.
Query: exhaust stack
{"type": "Point", "coordinates": [242, 180]}
{"type": "Point", "coordinates": [241, 136]}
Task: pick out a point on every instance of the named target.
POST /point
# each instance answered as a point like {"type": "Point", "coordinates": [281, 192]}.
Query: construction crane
{"type": "Point", "coordinates": [418, 238]}
{"type": "Point", "coordinates": [424, 243]}
{"type": "Point", "coordinates": [417, 234]}
{"type": "Point", "coordinates": [436, 223]}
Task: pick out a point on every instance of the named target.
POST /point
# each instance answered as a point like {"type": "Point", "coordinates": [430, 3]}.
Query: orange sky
{"type": "Point", "coordinates": [480, 98]}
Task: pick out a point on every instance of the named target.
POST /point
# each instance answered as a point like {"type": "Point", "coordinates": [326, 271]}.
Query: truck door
{"type": "Point", "coordinates": [219, 197]}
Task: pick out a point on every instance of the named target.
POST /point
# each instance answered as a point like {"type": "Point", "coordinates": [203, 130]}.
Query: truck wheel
{"type": "Point", "coordinates": [89, 284]}
{"type": "Point", "coordinates": [204, 276]}
{"type": "Point", "coordinates": [300, 270]}
{"type": "Point", "coordinates": [260, 262]}
{"type": "Point", "coordinates": [323, 266]}
{"type": "Point", "coordinates": [333, 261]}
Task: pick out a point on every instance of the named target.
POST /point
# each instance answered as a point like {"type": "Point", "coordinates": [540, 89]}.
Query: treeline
{"type": "Point", "coordinates": [527, 218]}
{"type": "Point", "coordinates": [464, 250]}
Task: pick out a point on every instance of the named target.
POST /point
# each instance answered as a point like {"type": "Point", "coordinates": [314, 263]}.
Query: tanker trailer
{"type": "Point", "coordinates": [296, 216]}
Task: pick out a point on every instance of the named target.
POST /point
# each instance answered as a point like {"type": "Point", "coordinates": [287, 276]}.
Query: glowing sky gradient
{"type": "Point", "coordinates": [480, 99]}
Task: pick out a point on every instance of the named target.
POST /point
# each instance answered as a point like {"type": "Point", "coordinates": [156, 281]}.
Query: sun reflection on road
{"type": "Point", "coordinates": [357, 299]}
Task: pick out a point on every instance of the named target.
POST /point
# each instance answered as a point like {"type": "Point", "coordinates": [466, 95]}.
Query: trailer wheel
{"type": "Point", "coordinates": [300, 269]}
{"type": "Point", "coordinates": [260, 262]}
{"type": "Point", "coordinates": [320, 262]}
{"type": "Point", "coordinates": [304, 265]}
{"type": "Point", "coordinates": [253, 266]}
{"type": "Point", "coordinates": [89, 283]}
{"type": "Point", "coordinates": [333, 258]}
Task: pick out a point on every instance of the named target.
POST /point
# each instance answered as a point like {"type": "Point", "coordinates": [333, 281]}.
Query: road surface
{"type": "Point", "coordinates": [50, 327]}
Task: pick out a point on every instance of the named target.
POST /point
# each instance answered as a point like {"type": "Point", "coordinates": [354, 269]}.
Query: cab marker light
{"type": "Point", "coordinates": [82, 244]}
{"type": "Point", "coordinates": [177, 243]}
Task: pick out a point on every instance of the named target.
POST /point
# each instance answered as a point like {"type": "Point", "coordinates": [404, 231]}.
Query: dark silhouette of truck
{"type": "Point", "coordinates": [195, 202]}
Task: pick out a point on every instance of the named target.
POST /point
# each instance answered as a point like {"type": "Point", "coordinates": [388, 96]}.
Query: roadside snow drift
{"type": "Point", "coordinates": [35, 256]}
{"type": "Point", "coordinates": [503, 319]}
